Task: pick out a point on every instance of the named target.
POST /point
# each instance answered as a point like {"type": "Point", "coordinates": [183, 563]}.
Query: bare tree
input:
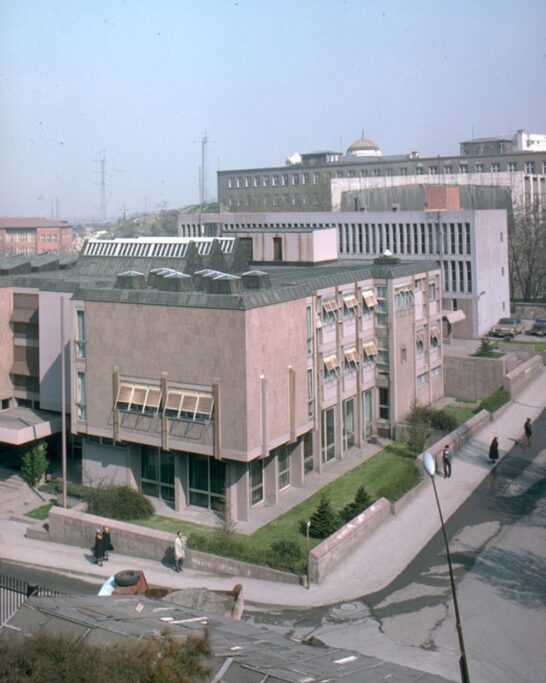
{"type": "Point", "coordinates": [527, 252]}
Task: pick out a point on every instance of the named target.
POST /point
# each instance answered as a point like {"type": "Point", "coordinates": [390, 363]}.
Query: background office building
{"type": "Point", "coordinates": [26, 236]}
{"type": "Point", "coordinates": [315, 181]}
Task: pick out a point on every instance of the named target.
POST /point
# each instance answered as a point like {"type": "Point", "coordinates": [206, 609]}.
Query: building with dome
{"type": "Point", "coordinates": [313, 181]}
{"type": "Point", "coordinates": [364, 148]}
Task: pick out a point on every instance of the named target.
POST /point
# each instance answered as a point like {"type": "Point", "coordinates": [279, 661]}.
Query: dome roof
{"type": "Point", "coordinates": [363, 145]}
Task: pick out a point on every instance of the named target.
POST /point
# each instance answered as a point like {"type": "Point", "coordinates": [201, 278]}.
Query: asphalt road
{"type": "Point", "coordinates": [498, 547]}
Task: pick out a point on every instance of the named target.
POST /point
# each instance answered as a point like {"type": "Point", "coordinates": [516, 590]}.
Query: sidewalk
{"type": "Point", "coordinates": [373, 566]}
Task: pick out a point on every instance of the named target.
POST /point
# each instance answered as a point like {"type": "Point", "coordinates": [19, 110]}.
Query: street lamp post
{"type": "Point", "coordinates": [429, 464]}
{"type": "Point", "coordinates": [307, 527]}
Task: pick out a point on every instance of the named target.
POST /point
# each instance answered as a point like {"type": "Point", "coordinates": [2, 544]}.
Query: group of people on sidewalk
{"type": "Point", "coordinates": [447, 455]}
{"type": "Point", "coordinates": [103, 545]}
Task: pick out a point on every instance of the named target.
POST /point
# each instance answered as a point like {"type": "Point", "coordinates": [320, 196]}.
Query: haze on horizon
{"type": "Point", "coordinates": [142, 81]}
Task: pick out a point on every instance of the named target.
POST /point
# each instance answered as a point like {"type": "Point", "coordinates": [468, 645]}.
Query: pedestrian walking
{"type": "Point", "coordinates": [106, 542]}
{"type": "Point", "coordinates": [528, 429]}
{"type": "Point", "coordinates": [494, 450]}
{"type": "Point", "coordinates": [446, 459]}
{"type": "Point", "coordinates": [179, 551]}
{"type": "Point", "coordinates": [98, 548]}
{"type": "Point", "coordinates": [238, 603]}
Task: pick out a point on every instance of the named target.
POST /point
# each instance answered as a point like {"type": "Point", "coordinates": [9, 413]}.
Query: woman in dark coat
{"type": "Point", "coordinates": [494, 450]}
{"type": "Point", "coordinates": [98, 548]}
{"type": "Point", "coordinates": [106, 542]}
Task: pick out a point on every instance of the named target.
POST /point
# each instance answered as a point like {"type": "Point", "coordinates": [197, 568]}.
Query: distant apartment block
{"type": "Point", "coordinates": [26, 236]}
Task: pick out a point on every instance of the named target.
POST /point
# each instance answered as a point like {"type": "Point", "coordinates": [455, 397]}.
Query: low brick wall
{"type": "Point", "coordinates": [325, 556]}
{"type": "Point", "coordinates": [74, 527]}
{"type": "Point", "coordinates": [515, 381]}
{"type": "Point", "coordinates": [459, 437]}
{"type": "Point", "coordinates": [475, 378]}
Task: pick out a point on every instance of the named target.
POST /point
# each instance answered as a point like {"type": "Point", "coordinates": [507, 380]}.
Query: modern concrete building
{"type": "Point", "coordinates": [34, 236]}
{"type": "Point", "coordinates": [315, 181]}
{"type": "Point", "coordinates": [199, 386]}
{"type": "Point", "coordinates": [470, 246]}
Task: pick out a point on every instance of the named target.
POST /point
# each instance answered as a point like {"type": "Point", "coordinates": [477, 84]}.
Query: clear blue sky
{"type": "Point", "coordinates": [143, 79]}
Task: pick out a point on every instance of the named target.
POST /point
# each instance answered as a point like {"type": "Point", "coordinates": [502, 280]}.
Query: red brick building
{"type": "Point", "coordinates": [34, 236]}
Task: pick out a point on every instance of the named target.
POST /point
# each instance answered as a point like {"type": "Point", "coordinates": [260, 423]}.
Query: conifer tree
{"type": "Point", "coordinates": [323, 520]}
{"type": "Point", "coordinates": [361, 501]}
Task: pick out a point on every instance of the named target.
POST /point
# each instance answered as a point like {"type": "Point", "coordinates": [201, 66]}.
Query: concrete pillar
{"type": "Point", "coordinates": [180, 481]}
{"type": "Point", "coordinates": [235, 490]}
{"type": "Point", "coordinates": [271, 492]}
{"type": "Point", "coordinates": [133, 466]}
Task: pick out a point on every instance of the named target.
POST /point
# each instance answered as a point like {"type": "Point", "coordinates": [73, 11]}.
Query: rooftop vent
{"type": "Point", "coordinates": [203, 277]}
{"type": "Point", "coordinates": [156, 274]}
{"type": "Point", "coordinates": [256, 279]}
{"type": "Point", "coordinates": [226, 284]}
{"type": "Point", "coordinates": [131, 279]}
{"type": "Point", "coordinates": [175, 282]}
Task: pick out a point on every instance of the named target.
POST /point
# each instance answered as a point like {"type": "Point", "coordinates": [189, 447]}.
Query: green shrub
{"type": "Point", "coordinates": [487, 349]}
{"type": "Point", "coordinates": [289, 553]}
{"type": "Point", "coordinates": [324, 520]}
{"type": "Point", "coordinates": [34, 463]}
{"type": "Point", "coordinates": [117, 502]}
{"type": "Point", "coordinates": [362, 500]}
{"type": "Point", "coordinates": [419, 423]}
{"type": "Point", "coordinates": [443, 421]}
{"type": "Point", "coordinates": [495, 401]}
{"type": "Point", "coordinates": [72, 489]}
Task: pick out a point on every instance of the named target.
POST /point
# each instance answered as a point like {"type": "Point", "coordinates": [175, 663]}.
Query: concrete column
{"type": "Point", "coordinates": [241, 491]}
{"type": "Point", "coordinates": [233, 472]}
{"type": "Point", "coordinates": [133, 466]}
{"type": "Point", "coordinates": [180, 481]}
{"type": "Point", "coordinates": [271, 490]}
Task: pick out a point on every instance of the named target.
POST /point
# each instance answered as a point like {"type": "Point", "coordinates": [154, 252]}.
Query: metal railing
{"type": "Point", "coordinates": [14, 592]}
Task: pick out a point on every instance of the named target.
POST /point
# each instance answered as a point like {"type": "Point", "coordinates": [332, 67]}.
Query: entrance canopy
{"type": "Point", "coordinates": [23, 425]}
{"type": "Point", "coordinates": [453, 316]}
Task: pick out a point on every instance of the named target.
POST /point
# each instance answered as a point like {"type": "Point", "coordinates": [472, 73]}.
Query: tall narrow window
{"type": "Point", "coordinates": [308, 457]}
{"type": "Point", "coordinates": [310, 394]}
{"type": "Point", "coordinates": [348, 423]}
{"type": "Point", "coordinates": [328, 435]}
{"type": "Point", "coordinates": [80, 334]}
{"type": "Point", "coordinates": [256, 471]}
{"type": "Point", "coordinates": [81, 395]}
{"type": "Point", "coordinates": [383, 403]}
{"type": "Point", "coordinates": [283, 465]}
{"type": "Point", "coordinates": [277, 248]}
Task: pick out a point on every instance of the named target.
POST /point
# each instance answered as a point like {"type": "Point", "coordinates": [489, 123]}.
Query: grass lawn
{"type": "Point", "coordinates": [41, 512]}
{"type": "Point", "coordinates": [539, 346]}
{"type": "Point", "coordinates": [389, 473]}
{"type": "Point", "coordinates": [460, 413]}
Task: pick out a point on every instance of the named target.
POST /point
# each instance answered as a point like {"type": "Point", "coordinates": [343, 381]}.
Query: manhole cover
{"type": "Point", "coordinates": [348, 611]}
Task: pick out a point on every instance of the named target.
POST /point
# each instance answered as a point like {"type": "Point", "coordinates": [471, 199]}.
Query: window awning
{"type": "Point", "coordinates": [330, 305]}
{"type": "Point", "coordinates": [350, 301]}
{"type": "Point", "coordinates": [193, 405]}
{"type": "Point", "coordinates": [318, 321]}
{"type": "Point", "coordinates": [331, 362]}
{"type": "Point", "coordinates": [369, 298]}
{"type": "Point", "coordinates": [138, 398]}
{"type": "Point", "coordinates": [370, 348]}
{"type": "Point", "coordinates": [453, 316]}
{"type": "Point", "coordinates": [434, 333]}
{"type": "Point", "coordinates": [420, 337]}
{"type": "Point", "coordinates": [351, 355]}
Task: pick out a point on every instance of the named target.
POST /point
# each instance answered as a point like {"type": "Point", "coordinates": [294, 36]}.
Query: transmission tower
{"type": "Point", "coordinates": [102, 206]}
{"type": "Point", "coordinates": [203, 169]}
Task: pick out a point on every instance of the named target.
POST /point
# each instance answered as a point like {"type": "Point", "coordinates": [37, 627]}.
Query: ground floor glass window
{"type": "Point", "coordinates": [256, 470]}
{"type": "Point", "coordinates": [348, 423]}
{"type": "Point", "coordinates": [157, 474]}
{"type": "Point", "coordinates": [283, 466]}
{"type": "Point", "coordinates": [308, 459]}
{"type": "Point", "coordinates": [207, 478]}
{"type": "Point", "coordinates": [367, 413]}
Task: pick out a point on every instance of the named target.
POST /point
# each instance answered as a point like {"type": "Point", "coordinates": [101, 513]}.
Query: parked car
{"type": "Point", "coordinates": [539, 327]}
{"type": "Point", "coordinates": [127, 582]}
{"type": "Point", "coordinates": [508, 327]}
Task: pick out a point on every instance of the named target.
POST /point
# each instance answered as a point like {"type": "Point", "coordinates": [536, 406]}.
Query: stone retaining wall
{"type": "Point", "coordinates": [328, 554]}
{"type": "Point", "coordinates": [75, 527]}
{"type": "Point", "coordinates": [515, 381]}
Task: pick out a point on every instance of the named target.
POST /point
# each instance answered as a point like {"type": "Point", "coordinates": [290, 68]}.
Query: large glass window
{"type": "Point", "coordinates": [310, 394]}
{"type": "Point", "coordinates": [80, 334]}
{"type": "Point", "coordinates": [328, 435]}
{"type": "Point", "coordinates": [157, 473]}
{"type": "Point", "coordinates": [348, 423]}
{"type": "Point", "coordinates": [256, 471]}
{"type": "Point", "coordinates": [207, 482]}
{"type": "Point", "coordinates": [310, 330]}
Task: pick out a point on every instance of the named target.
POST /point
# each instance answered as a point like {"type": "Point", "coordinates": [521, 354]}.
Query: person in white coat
{"type": "Point", "coordinates": [179, 551]}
